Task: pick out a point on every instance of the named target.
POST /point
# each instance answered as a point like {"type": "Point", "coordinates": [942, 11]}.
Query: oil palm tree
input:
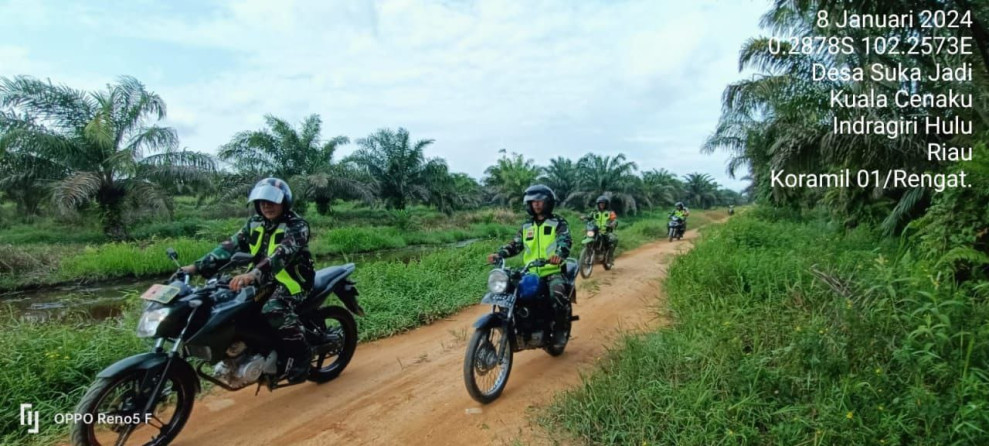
{"type": "Point", "coordinates": [298, 156]}
{"type": "Point", "coordinates": [507, 179]}
{"type": "Point", "coordinates": [100, 147]}
{"type": "Point", "coordinates": [612, 176]}
{"type": "Point", "coordinates": [397, 165]}
{"type": "Point", "coordinates": [700, 190]}
{"type": "Point", "coordinates": [563, 177]}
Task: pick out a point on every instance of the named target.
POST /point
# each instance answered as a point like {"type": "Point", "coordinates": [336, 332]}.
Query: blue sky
{"type": "Point", "coordinates": [542, 78]}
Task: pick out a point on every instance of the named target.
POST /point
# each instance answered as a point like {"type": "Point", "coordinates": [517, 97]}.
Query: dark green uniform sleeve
{"type": "Point", "coordinates": [563, 240]}
{"type": "Point", "coordinates": [513, 247]}
{"type": "Point", "coordinates": [219, 256]}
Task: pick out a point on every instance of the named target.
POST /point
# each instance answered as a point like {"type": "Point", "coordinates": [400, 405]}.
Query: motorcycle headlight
{"type": "Point", "coordinates": [148, 325]}
{"type": "Point", "coordinates": [590, 233]}
{"type": "Point", "coordinates": [497, 281]}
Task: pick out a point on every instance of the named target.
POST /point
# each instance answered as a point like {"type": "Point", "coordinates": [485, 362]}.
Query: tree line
{"type": "Point", "coordinates": [63, 150]}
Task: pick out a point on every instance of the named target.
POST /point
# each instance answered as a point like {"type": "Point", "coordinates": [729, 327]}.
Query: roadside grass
{"type": "Point", "coordinates": [794, 333]}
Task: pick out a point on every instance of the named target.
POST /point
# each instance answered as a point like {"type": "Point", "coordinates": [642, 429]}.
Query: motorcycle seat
{"type": "Point", "coordinates": [328, 277]}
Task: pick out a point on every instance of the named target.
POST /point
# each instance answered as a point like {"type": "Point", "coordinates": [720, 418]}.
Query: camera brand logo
{"type": "Point", "coordinates": [29, 418]}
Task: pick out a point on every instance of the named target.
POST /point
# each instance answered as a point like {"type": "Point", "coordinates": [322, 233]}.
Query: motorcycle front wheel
{"type": "Point", "coordinates": [586, 262]}
{"type": "Point", "coordinates": [609, 259]}
{"type": "Point", "coordinates": [486, 369]}
{"type": "Point", "coordinates": [111, 411]}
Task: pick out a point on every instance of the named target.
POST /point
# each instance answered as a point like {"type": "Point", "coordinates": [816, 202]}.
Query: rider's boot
{"type": "Point", "coordinates": [297, 366]}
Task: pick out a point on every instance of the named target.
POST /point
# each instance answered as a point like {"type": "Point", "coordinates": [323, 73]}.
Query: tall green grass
{"type": "Point", "coordinates": [49, 365]}
{"type": "Point", "coordinates": [792, 333]}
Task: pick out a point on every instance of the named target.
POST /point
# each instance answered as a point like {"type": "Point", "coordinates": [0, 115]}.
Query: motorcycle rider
{"type": "Point", "coordinates": [544, 236]}
{"type": "Point", "coordinates": [606, 219]}
{"type": "Point", "coordinates": [278, 239]}
{"type": "Point", "coordinates": [681, 211]}
{"type": "Point", "coordinates": [731, 209]}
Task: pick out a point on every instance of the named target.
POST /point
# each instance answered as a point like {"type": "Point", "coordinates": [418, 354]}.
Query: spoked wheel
{"type": "Point", "coordinates": [487, 364]}
{"type": "Point", "coordinates": [112, 410]}
{"type": "Point", "coordinates": [339, 341]}
{"type": "Point", "coordinates": [586, 262]}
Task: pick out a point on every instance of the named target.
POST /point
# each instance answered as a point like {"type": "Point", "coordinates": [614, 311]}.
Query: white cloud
{"type": "Point", "coordinates": [546, 78]}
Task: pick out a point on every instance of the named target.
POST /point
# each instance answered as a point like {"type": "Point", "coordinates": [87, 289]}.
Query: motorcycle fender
{"type": "Point", "coordinates": [489, 320]}
{"type": "Point", "coordinates": [347, 292]}
{"type": "Point", "coordinates": [148, 361]}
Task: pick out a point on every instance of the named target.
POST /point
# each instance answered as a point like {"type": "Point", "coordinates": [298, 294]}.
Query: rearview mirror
{"type": "Point", "coordinates": [172, 254]}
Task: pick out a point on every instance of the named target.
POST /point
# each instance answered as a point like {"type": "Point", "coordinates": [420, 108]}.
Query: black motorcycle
{"type": "Point", "coordinates": [676, 227]}
{"type": "Point", "coordinates": [147, 398]}
{"type": "Point", "coordinates": [522, 318]}
{"type": "Point", "coordinates": [595, 249]}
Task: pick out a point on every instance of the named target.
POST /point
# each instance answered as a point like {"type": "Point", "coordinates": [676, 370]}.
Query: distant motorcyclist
{"type": "Point", "coordinates": [731, 209]}
{"type": "Point", "coordinates": [606, 219]}
{"type": "Point", "coordinates": [278, 239]}
{"type": "Point", "coordinates": [681, 211]}
{"type": "Point", "coordinates": [544, 236]}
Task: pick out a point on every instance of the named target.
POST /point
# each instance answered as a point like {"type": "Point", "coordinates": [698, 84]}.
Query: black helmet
{"type": "Point", "coordinates": [539, 192]}
{"type": "Point", "coordinates": [273, 190]}
{"type": "Point", "coordinates": [603, 199]}
{"type": "Point", "coordinates": [679, 205]}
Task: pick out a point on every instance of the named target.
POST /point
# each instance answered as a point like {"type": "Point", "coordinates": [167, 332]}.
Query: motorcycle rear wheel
{"type": "Point", "coordinates": [555, 350]}
{"type": "Point", "coordinates": [343, 324]}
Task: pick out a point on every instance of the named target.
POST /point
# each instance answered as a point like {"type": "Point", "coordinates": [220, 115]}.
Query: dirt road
{"type": "Point", "coordinates": [409, 389]}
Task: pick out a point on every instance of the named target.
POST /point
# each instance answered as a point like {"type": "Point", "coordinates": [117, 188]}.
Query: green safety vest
{"type": "Point", "coordinates": [601, 218]}
{"type": "Point", "coordinates": [257, 236]}
{"type": "Point", "coordinates": [540, 243]}
{"type": "Point", "coordinates": [679, 213]}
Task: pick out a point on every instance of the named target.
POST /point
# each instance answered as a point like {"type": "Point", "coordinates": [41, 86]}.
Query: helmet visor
{"type": "Point", "coordinates": [533, 196]}
{"type": "Point", "coordinates": [266, 192]}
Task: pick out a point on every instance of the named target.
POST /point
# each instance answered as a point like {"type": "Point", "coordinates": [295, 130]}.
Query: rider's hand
{"type": "Point", "coordinates": [241, 280]}
{"type": "Point", "coordinates": [555, 260]}
{"type": "Point", "coordinates": [189, 269]}
{"type": "Point", "coordinates": [492, 258]}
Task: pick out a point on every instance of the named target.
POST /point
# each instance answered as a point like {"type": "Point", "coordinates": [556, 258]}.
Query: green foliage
{"type": "Point", "coordinates": [507, 180]}
{"type": "Point", "coordinates": [50, 364]}
{"type": "Point", "coordinates": [955, 230]}
{"type": "Point", "coordinates": [399, 296]}
{"type": "Point", "coordinates": [794, 333]}
{"type": "Point", "coordinates": [398, 166]}
{"type": "Point", "coordinates": [90, 146]}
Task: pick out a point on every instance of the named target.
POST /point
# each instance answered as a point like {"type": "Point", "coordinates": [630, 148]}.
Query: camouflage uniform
{"type": "Point", "coordinates": [289, 263]}
{"type": "Point", "coordinates": [550, 274]}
